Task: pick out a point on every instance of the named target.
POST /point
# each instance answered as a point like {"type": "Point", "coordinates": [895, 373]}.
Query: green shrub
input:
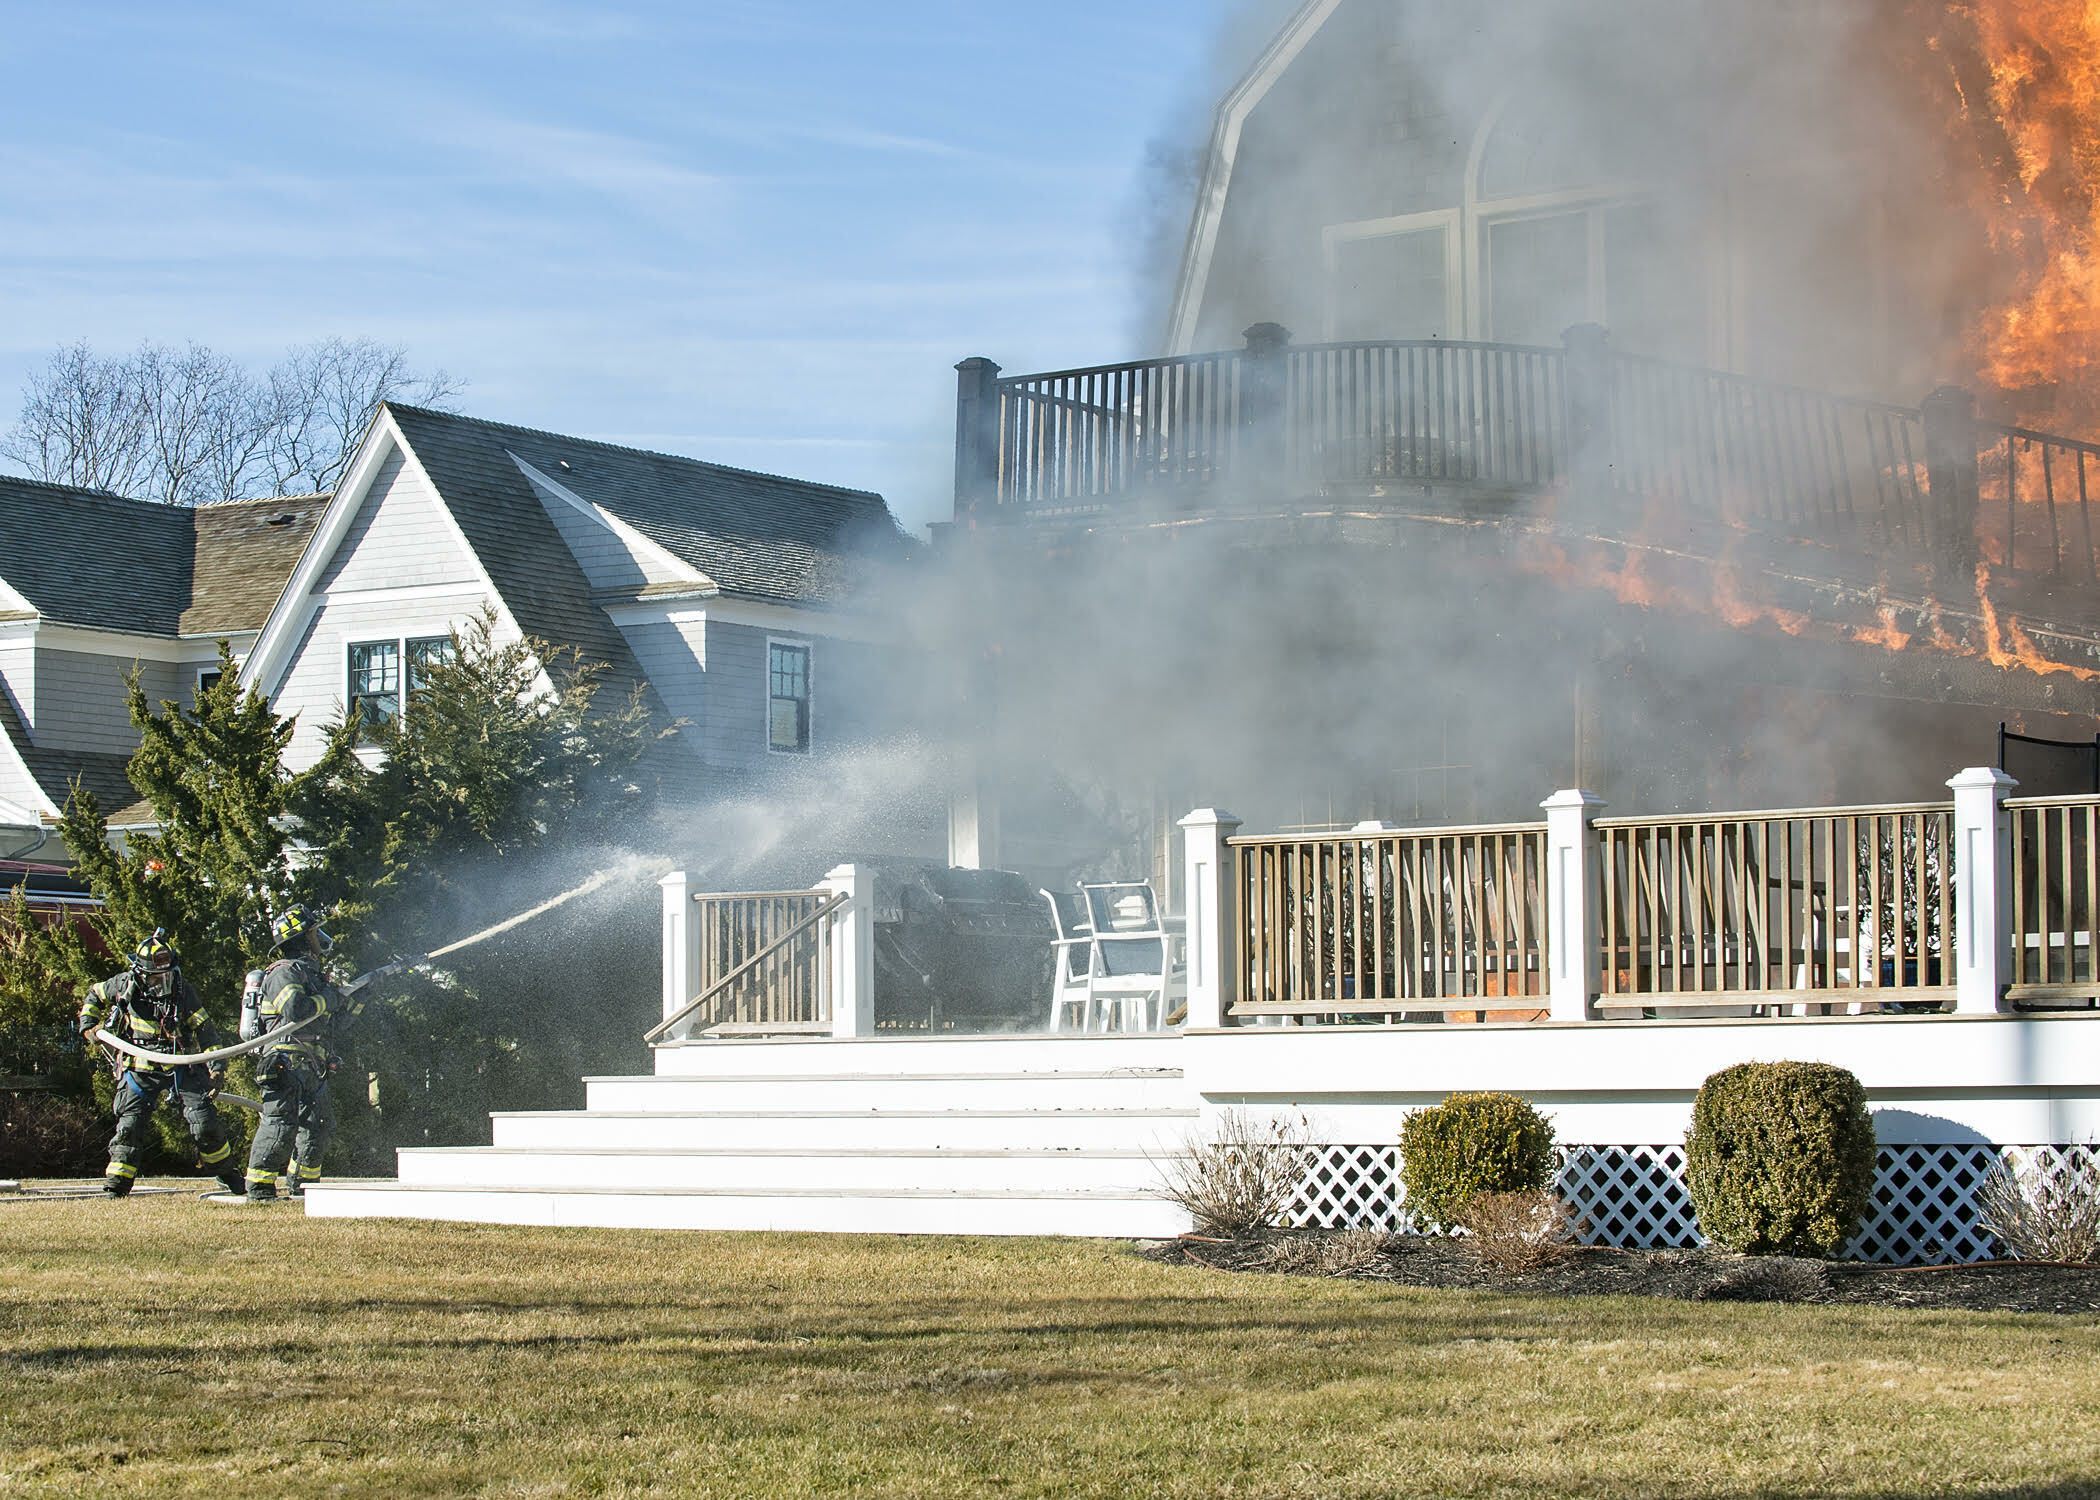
{"type": "Point", "coordinates": [1469, 1145]}
{"type": "Point", "coordinates": [1780, 1160]}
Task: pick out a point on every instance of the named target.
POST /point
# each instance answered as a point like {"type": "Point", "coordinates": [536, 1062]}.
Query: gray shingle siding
{"type": "Point", "coordinates": [80, 699]}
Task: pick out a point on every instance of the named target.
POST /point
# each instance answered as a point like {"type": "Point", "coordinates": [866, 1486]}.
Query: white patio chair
{"type": "Point", "coordinates": [1130, 972]}
{"type": "Point", "coordinates": [1071, 983]}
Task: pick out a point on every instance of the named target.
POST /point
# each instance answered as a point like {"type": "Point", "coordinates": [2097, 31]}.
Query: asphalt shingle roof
{"type": "Point", "coordinates": [758, 536]}
{"type": "Point", "coordinates": [84, 557]}
{"type": "Point", "coordinates": [245, 551]}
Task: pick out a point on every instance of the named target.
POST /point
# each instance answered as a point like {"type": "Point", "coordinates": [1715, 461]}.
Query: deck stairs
{"type": "Point", "coordinates": [1019, 1135]}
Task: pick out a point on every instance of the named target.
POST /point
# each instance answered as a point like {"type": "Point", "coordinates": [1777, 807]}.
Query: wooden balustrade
{"type": "Point", "coordinates": [2055, 882]}
{"type": "Point", "coordinates": [1387, 923]}
{"type": "Point", "coordinates": [1425, 410]}
{"type": "Point", "coordinates": [1797, 907]}
{"type": "Point", "coordinates": [2033, 502]}
{"type": "Point", "coordinates": [764, 958]}
{"type": "Point", "coordinates": [1775, 457]}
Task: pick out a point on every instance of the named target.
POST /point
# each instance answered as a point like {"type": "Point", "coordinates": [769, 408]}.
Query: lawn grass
{"type": "Point", "coordinates": [164, 1345]}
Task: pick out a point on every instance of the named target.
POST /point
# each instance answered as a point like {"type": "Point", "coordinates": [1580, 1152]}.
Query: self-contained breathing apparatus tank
{"type": "Point", "coordinates": [251, 1005]}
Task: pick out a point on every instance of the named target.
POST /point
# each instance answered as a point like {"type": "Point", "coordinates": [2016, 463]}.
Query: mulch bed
{"type": "Point", "coordinates": [1690, 1275]}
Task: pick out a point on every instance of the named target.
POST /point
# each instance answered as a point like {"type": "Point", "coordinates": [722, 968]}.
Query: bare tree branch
{"type": "Point", "coordinates": [81, 424]}
{"type": "Point", "coordinates": [186, 426]}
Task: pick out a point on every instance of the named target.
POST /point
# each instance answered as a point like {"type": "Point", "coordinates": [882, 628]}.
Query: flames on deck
{"type": "Point", "coordinates": [2013, 88]}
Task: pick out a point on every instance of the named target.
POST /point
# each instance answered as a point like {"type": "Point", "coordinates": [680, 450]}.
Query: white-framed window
{"type": "Point", "coordinates": [787, 697]}
{"type": "Point", "coordinates": [376, 685]}
{"type": "Point", "coordinates": [1396, 278]}
{"type": "Point", "coordinates": [208, 678]}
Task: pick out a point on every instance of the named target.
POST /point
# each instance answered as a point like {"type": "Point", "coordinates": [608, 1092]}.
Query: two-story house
{"type": "Point", "coordinates": [94, 587]}
{"type": "Point", "coordinates": [736, 600]}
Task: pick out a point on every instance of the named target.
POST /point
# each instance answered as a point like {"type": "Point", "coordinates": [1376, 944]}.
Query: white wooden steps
{"type": "Point", "coordinates": [1010, 1135]}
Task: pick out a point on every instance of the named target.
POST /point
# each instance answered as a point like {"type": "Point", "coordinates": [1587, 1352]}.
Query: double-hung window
{"type": "Point", "coordinates": [787, 702]}
{"type": "Point", "coordinates": [377, 685]}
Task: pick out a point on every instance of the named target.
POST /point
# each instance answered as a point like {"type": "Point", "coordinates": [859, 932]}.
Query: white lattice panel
{"type": "Point", "coordinates": [1924, 1209]}
{"type": "Point", "coordinates": [1350, 1187]}
{"type": "Point", "coordinates": [1629, 1195]}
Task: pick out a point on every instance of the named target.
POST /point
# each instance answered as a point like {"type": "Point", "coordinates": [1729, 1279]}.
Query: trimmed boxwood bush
{"type": "Point", "coordinates": [1780, 1160]}
{"type": "Point", "coordinates": [1468, 1145]}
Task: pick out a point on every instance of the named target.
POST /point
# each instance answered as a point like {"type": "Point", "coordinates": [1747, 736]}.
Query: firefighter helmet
{"type": "Point", "coordinates": [154, 964]}
{"type": "Point", "coordinates": [295, 923]}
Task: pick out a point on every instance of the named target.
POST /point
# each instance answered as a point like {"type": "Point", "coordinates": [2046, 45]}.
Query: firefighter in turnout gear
{"type": "Point", "coordinates": [297, 1122]}
{"type": "Point", "coordinates": [151, 1005]}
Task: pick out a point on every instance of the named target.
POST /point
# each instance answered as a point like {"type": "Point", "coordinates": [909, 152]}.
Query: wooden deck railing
{"type": "Point", "coordinates": [1303, 415]}
{"type": "Point", "coordinates": [1778, 908]}
{"type": "Point", "coordinates": [2035, 508]}
{"type": "Point", "coordinates": [2055, 882]}
{"type": "Point", "coordinates": [1778, 458]}
{"type": "Point", "coordinates": [1386, 923]}
{"type": "Point", "coordinates": [764, 959]}
{"type": "Point", "coordinates": [1928, 483]}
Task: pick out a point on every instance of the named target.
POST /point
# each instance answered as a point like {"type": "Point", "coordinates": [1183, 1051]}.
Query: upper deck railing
{"type": "Point", "coordinates": [1212, 433]}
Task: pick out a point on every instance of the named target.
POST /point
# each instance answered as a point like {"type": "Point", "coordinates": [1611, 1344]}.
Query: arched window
{"type": "Point", "coordinates": [1565, 227]}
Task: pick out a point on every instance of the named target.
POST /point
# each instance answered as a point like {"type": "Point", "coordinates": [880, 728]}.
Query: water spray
{"type": "Point", "coordinates": [351, 987]}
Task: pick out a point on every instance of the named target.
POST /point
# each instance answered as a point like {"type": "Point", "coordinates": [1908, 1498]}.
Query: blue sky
{"type": "Point", "coordinates": [760, 233]}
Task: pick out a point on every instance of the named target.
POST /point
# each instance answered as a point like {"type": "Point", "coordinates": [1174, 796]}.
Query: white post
{"type": "Point", "coordinates": [852, 952]}
{"type": "Point", "coordinates": [681, 943]}
{"type": "Point", "coordinates": [1574, 970]}
{"type": "Point", "coordinates": [1983, 878]}
{"type": "Point", "coordinates": [1206, 864]}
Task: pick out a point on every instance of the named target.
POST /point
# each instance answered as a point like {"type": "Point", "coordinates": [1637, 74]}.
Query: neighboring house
{"type": "Point", "coordinates": [728, 595]}
{"type": "Point", "coordinates": [94, 587]}
{"type": "Point", "coordinates": [733, 600]}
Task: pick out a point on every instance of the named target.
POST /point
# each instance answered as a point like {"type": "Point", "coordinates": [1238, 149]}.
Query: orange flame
{"type": "Point", "coordinates": [2037, 126]}
{"type": "Point", "coordinates": [2007, 645]}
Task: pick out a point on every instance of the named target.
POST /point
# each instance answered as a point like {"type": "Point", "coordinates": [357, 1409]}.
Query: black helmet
{"type": "Point", "coordinates": [154, 965]}
{"type": "Point", "coordinates": [294, 923]}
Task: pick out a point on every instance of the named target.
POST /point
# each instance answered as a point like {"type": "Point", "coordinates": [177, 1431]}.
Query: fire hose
{"type": "Point", "coordinates": [220, 1054]}
{"type": "Point", "coordinates": [237, 1049]}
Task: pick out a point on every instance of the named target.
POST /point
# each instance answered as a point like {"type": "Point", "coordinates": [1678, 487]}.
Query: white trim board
{"type": "Point", "coordinates": [1230, 118]}
{"type": "Point", "coordinates": [757, 614]}
{"type": "Point", "coordinates": [50, 637]}
{"type": "Point", "coordinates": [12, 602]}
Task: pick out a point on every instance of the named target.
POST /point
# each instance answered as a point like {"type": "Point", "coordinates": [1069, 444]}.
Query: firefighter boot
{"type": "Point", "coordinates": [231, 1179]}
{"type": "Point", "coordinates": [116, 1185]}
{"type": "Point", "coordinates": [262, 1187]}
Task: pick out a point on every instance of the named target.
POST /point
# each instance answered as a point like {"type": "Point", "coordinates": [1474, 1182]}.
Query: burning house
{"type": "Point", "coordinates": [1680, 408]}
{"type": "Point", "coordinates": [1647, 394]}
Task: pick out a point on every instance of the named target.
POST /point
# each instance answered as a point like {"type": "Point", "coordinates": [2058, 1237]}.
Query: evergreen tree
{"type": "Point", "coordinates": [503, 761]}
{"type": "Point", "coordinates": [209, 873]}
{"type": "Point", "coordinates": [217, 863]}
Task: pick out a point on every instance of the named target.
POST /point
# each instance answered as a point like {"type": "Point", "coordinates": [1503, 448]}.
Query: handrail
{"type": "Point", "coordinates": [1442, 830]}
{"type": "Point", "coordinates": [1864, 810]}
{"type": "Point", "coordinates": [2029, 435]}
{"type": "Point", "coordinates": [1777, 387]}
{"type": "Point", "coordinates": [824, 909]}
{"type": "Point", "coordinates": [2072, 799]}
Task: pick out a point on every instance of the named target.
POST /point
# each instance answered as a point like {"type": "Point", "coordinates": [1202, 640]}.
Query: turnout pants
{"type": "Point", "coordinates": [139, 1090]}
{"type": "Point", "coordinates": [296, 1125]}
